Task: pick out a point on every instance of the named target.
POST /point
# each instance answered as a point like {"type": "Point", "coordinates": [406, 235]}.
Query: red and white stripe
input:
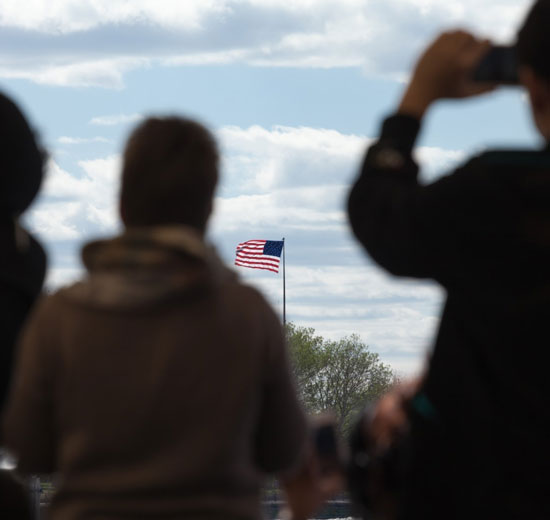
{"type": "Point", "coordinates": [250, 254]}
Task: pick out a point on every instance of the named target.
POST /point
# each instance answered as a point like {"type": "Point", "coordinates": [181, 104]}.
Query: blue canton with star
{"type": "Point", "coordinates": [273, 248]}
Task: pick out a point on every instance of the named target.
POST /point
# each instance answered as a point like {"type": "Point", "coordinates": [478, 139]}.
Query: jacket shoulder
{"type": "Point", "coordinates": [242, 291]}
{"type": "Point", "coordinates": [514, 158]}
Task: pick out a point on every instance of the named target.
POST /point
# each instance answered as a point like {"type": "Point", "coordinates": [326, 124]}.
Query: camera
{"type": "Point", "coordinates": [373, 476]}
{"type": "Point", "coordinates": [327, 446]}
{"type": "Point", "coordinates": [498, 65]}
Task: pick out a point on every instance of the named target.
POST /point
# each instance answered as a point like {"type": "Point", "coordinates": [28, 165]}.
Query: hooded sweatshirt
{"type": "Point", "coordinates": [157, 387]}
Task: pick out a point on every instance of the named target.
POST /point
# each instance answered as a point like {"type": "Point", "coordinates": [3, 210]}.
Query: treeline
{"type": "Point", "coordinates": [338, 376]}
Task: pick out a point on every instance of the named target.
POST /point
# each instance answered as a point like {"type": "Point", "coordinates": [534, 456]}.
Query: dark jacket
{"type": "Point", "coordinates": [158, 387]}
{"type": "Point", "coordinates": [22, 270]}
{"type": "Point", "coordinates": [483, 233]}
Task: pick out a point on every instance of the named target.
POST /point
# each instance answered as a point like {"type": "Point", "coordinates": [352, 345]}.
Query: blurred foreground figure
{"type": "Point", "coordinates": [22, 264]}
{"type": "Point", "coordinates": [22, 259]}
{"type": "Point", "coordinates": [158, 386]}
{"type": "Point", "coordinates": [478, 438]}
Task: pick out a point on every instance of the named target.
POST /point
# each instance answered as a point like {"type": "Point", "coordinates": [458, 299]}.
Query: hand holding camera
{"type": "Point", "coordinates": [445, 71]}
{"type": "Point", "coordinates": [321, 474]}
{"type": "Point", "coordinates": [371, 468]}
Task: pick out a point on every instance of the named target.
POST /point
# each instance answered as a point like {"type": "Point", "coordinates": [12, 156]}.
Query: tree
{"type": "Point", "coordinates": [307, 355]}
{"type": "Point", "coordinates": [341, 376]}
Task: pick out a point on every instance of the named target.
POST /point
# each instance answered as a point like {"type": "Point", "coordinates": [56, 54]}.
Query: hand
{"type": "Point", "coordinates": [390, 417]}
{"type": "Point", "coordinates": [308, 488]}
{"type": "Point", "coordinates": [444, 71]}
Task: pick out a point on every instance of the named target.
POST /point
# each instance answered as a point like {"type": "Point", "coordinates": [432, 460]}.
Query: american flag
{"type": "Point", "coordinates": [260, 254]}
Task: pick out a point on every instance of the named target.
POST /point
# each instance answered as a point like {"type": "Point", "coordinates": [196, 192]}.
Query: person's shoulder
{"type": "Point", "coordinates": [249, 310]}
{"type": "Point", "coordinates": [48, 304]}
{"type": "Point", "coordinates": [512, 158]}
{"type": "Point", "coordinates": [500, 165]}
{"type": "Point", "coordinates": [53, 306]}
{"type": "Point", "coordinates": [249, 302]}
{"type": "Point", "coordinates": [242, 291]}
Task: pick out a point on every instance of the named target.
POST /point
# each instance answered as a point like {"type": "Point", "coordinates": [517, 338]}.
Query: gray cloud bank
{"type": "Point", "coordinates": [84, 43]}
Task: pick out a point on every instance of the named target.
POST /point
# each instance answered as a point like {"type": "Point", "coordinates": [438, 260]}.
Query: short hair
{"type": "Point", "coordinates": [21, 160]}
{"type": "Point", "coordinates": [169, 174]}
{"type": "Point", "coordinates": [533, 41]}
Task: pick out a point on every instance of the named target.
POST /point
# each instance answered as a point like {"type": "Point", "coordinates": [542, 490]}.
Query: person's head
{"type": "Point", "coordinates": [533, 49]}
{"type": "Point", "coordinates": [21, 160]}
{"type": "Point", "coordinates": [169, 174]}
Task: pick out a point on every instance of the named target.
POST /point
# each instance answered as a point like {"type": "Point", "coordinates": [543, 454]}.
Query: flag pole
{"type": "Point", "coordinates": [284, 286]}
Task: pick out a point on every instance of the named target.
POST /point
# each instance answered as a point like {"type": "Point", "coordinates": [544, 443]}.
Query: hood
{"type": "Point", "coordinates": [145, 266]}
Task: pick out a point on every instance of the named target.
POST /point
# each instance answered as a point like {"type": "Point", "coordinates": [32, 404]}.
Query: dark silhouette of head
{"type": "Point", "coordinates": [533, 48]}
{"type": "Point", "coordinates": [533, 41]}
{"type": "Point", "coordinates": [21, 160]}
{"type": "Point", "coordinates": [169, 174]}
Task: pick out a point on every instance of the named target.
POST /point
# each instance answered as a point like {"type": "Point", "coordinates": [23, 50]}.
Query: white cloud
{"type": "Point", "coordinates": [352, 284]}
{"type": "Point", "coordinates": [60, 17]}
{"type": "Point", "coordinates": [268, 211]}
{"type": "Point", "coordinates": [56, 221]}
{"type": "Point", "coordinates": [105, 72]}
{"type": "Point", "coordinates": [67, 16]}
{"type": "Point", "coordinates": [81, 140]}
{"type": "Point", "coordinates": [117, 119]}
{"type": "Point", "coordinates": [77, 206]}
{"type": "Point", "coordinates": [259, 160]}
{"type": "Point", "coordinates": [95, 42]}
{"type": "Point", "coordinates": [60, 276]}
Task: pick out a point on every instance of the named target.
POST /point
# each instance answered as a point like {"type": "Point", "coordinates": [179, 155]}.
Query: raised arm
{"type": "Point", "coordinates": [405, 226]}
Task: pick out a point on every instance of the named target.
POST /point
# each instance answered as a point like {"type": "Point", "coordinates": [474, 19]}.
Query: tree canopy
{"type": "Point", "coordinates": [340, 376]}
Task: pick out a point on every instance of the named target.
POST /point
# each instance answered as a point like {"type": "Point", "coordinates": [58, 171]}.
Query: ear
{"type": "Point", "coordinates": [539, 97]}
{"type": "Point", "coordinates": [208, 213]}
{"type": "Point", "coordinates": [122, 212]}
{"type": "Point", "coordinates": [537, 88]}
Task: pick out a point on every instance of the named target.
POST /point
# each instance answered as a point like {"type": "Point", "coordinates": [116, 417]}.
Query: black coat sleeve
{"type": "Point", "coordinates": [409, 229]}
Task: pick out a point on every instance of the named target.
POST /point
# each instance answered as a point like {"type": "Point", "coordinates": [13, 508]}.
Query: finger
{"type": "Point", "coordinates": [475, 52]}
{"type": "Point", "coordinates": [457, 34]}
{"type": "Point", "coordinates": [475, 89]}
{"type": "Point", "coordinates": [331, 485]}
{"type": "Point", "coordinates": [458, 40]}
{"type": "Point", "coordinates": [447, 41]}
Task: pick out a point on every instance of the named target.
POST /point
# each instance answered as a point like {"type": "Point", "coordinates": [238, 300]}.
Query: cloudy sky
{"type": "Point", "coordinates": [294, 91]}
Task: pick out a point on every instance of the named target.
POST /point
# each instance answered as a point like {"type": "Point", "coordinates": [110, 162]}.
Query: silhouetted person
{"type": "Point", "coordinates": [22, 265]}
{"type": "Point", "coordinates": [158, 386]}
{"type": "Point", "coordinates": [479, 423]}
{"type": "Point", "coordinates": [22, 260]}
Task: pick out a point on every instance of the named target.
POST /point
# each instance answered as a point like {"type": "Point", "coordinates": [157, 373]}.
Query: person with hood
{"type": "Point", "coordinates": [158, 386]}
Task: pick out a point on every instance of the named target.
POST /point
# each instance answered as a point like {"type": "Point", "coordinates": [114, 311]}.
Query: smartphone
{"type": "Point", "coordinates": [499, 65]}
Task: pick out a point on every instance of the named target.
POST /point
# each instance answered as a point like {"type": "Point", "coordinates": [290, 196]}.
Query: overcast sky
{"type": "Point", "coordinates": [294, 91]}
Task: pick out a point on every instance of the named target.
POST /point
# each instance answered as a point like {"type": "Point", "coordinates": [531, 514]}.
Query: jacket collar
{"type": "Point", "coordinates": [144, 266]}
{"type": "Point", "coordinates": [147, 248]}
